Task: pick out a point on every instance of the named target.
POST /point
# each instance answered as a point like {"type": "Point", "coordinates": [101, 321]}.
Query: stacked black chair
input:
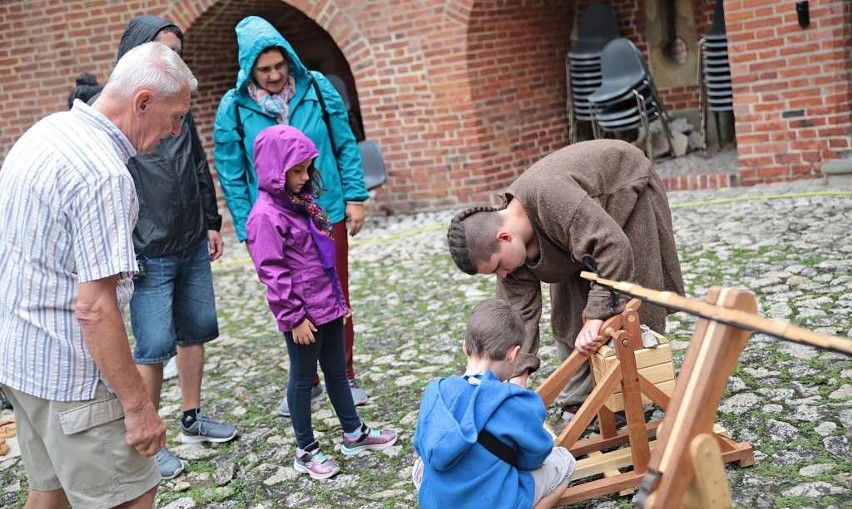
{"type": "Point", "coordinates": [627, 97]}
{"type": "Point", "coordinates": [716, 92]}
{"type": "Point", "coordinates": [597, 24]}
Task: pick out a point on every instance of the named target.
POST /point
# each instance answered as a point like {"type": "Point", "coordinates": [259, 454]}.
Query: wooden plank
{"type": "Point", "coordinates": [616, 402]}
{"type": "Point", "coordinates": [596, 443]}
{"type": "Point", "coordinates": [659, 397]}
{"type": "Point", "coordinates": [612, 473]}
{"type": "Point", "coordinates": [589, 408]}
{"type": "Point", "coordinates": [553, 385]}
{"type": "Point", "coordinates": [742, 318]}
{"type": "Point", "coordinates": [656, 374]}
{"type": "Point", "coordinates": [597, 464]}
{"type": "Point", "coordinates": [633, 410]}
{"type": "Point", "coordinates": [709, 486]}
{"type": "Point", "coordinates": [599, 487]}
{"type": "Point", "coordinates": [645, 357]}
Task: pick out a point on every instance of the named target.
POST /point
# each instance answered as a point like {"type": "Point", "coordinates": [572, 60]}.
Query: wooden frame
{"type": "Point", "coordinates": [636, 458]}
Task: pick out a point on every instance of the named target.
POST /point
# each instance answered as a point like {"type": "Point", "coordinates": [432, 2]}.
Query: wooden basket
{"type": "Point", "coordinates": [655, 364]}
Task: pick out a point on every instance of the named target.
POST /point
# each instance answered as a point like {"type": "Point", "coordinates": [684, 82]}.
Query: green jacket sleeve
{"type": "Point", "coordinates": [347, 153]}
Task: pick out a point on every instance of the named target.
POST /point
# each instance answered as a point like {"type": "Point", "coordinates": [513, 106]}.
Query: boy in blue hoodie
{"type": "Point", "coordinates": [481, 441]}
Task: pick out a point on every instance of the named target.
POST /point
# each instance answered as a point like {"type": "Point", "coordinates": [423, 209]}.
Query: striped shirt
{"type": "Point", "coordinates": [67, 211]}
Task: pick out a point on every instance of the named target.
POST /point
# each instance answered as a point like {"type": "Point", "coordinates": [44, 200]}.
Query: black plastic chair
{"type": "Point", "coordinates": [622, 70]}
{"type": "Point", "coordinates": [375, 173]}
{"type": "Point", "coordinates": [627, 97]}
{"type": "Point", "coordinates": [715, 84]}
{"type": "Point", "coordinates": [597, 24]}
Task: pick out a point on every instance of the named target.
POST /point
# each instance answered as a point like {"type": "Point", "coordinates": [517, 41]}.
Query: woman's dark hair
{"type": "Point", "coordinates": [314, 183]}
{"type": "Point", "coordinates": [471, 237]}
{"type": "Point", "coordinates": [173, 29]}
{"type": "Point", "coordinates": [86, 87]}
{"type": "Point", "coordinates": [267, 50]}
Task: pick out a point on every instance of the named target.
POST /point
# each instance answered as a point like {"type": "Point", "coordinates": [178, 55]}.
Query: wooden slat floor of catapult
{"type": "Point", "coordinates": [710, 359]}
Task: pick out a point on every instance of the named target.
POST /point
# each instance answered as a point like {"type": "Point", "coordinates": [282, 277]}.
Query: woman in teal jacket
{"type": "Point", "coordinates": [274, 87]}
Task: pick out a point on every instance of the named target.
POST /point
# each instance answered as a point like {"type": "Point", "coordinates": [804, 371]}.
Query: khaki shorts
{"type": "Point", "coordinates": [80, 447]}
{"type": "Point", "coordinates": [556, 469]}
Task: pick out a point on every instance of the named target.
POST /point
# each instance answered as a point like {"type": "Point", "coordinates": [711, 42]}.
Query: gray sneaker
{"type": "Point", "coordinates": [359, 395]}
{"type": "Point", "coordinates": [316, 394]}
{"type": "Point", "coordinates": [205, 429]}
{"type": "Point", "coordinates": [170, 465]}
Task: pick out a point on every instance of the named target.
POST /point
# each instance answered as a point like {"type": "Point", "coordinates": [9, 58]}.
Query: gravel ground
{"type": "Point", "coordinates": [790, 244]}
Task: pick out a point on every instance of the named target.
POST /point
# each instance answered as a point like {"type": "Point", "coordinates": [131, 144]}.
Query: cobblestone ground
{"type": "Point", "coordinates": [790, 244]}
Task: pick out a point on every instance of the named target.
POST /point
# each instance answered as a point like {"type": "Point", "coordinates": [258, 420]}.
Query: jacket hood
{"type": "Point", "coordinates": [276, 150]}
{"type": "Point", "coordinates": [255, 34]}
{"type": "Point", "coordinates": [445, 439]}
{"type": "Point", "coordinates": [140, 30]}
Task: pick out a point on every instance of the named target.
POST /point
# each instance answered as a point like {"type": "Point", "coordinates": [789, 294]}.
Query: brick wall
{"type": "Point", "coordinates": [461, 95]}
{"type": "Point", "coordinates": [792, 91]}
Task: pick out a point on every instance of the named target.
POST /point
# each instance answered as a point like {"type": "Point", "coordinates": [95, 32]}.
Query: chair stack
{"type": "Point", "coordinates": [627, 97]}
{"type": "Point", "coordinates": [597, 24]}
{"type": "Point", "coordinates": [717, 71]}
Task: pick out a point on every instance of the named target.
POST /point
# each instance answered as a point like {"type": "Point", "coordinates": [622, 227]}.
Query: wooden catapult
{"type": "Point", "coordinates": [684, 466]}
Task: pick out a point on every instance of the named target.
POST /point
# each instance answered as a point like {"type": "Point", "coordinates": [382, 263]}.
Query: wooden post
{"type": "Point", "coordinates": [711, 357]}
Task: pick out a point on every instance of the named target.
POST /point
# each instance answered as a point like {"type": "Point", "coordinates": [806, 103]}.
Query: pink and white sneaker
{"type": "Point", "coordinates": [316, 464]}
{"type": "Point", "coordinates": [372, 439]}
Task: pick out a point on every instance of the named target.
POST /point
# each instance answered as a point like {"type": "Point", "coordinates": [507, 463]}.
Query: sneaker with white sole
{"type": "Point", "coordinates": [205, 429]}
{"type": "Point", "coordinates": [315, 463]}
{"type": "Point", "coordinates": [417, 473]}
{"type": "Point", "coordinates": [316, 395]}
{"type": "Point", "coordinates": [359, 395]}
{"type": "Point", "coordinates": [170, 465]}
{"type": "Point", "coordinates": [369, 439]}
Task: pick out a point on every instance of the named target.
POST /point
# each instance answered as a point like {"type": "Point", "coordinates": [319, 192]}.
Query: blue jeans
{"type": "Point", "coordinates": [328, 350]}
{"type": "Point", "coordinates": [173, 304]}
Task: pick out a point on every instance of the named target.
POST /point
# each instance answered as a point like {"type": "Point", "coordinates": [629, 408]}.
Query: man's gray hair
{"type": "Point", "coordinates": [154, 66]}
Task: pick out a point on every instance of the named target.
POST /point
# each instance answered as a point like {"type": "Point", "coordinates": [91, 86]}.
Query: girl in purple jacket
{"type": "Point", "coordinates": [290, 241]}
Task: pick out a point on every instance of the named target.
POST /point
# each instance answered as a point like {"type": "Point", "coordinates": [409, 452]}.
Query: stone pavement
{"type": "Point", "coordinates": [791, 244]}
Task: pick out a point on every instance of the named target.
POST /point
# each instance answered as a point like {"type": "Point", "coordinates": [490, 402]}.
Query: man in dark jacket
{"type": "Point", "coordinates": [173, 310]}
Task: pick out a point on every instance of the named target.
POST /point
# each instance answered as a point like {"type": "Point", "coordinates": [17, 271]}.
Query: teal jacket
{"type": "Point", "coordinates": [342, 173]}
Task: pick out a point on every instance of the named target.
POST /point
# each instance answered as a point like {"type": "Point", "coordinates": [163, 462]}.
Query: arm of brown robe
{"type": "Point", "coordinates": [523, 291]}
{"type": "Point", "coordinates": [593, 231]}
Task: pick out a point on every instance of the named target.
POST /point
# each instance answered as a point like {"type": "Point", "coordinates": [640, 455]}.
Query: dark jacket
{"type": "Point", "coordinates": [177, 200]}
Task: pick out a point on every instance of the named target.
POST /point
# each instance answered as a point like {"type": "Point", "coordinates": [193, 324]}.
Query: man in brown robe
{"type": "Point", "coordinates": [600, 198]}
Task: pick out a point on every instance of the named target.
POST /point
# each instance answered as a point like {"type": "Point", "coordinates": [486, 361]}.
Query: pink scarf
{"type": "Point", "coordinates": [277, 105]}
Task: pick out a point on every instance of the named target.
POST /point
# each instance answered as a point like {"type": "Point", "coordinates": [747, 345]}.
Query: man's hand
{"type": "Point", "coordinates": [146, 432]}
{"type": "Point", "coordinates": [355, 216]}
{"type": "Point", "coordinates": [215, 245]}
{"type": "Point", "coordinates": [347, 317]}
{"type": "Point", "coordinates": [589, 340]}
{"type": "Point", "coordinates": [521, 380]}
{"type": "Point", "coordinates": [303, 334]}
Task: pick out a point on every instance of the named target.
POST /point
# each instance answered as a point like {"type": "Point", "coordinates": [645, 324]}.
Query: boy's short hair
{"type": "Point", "coordinates": [494, 328]}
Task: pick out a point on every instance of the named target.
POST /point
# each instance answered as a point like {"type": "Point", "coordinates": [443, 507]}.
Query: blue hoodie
{"type": "Point", "coordinates": [458, 471]}
{"type": "Point", "coordinates": [232, 153]}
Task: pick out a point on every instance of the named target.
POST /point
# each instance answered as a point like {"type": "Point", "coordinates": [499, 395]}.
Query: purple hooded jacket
{"type": "Point", "coordinates": [299, 282]}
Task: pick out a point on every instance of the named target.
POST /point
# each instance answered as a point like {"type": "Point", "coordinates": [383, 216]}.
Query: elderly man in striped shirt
{"type": "Point", "coordinates": [68, 206]}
